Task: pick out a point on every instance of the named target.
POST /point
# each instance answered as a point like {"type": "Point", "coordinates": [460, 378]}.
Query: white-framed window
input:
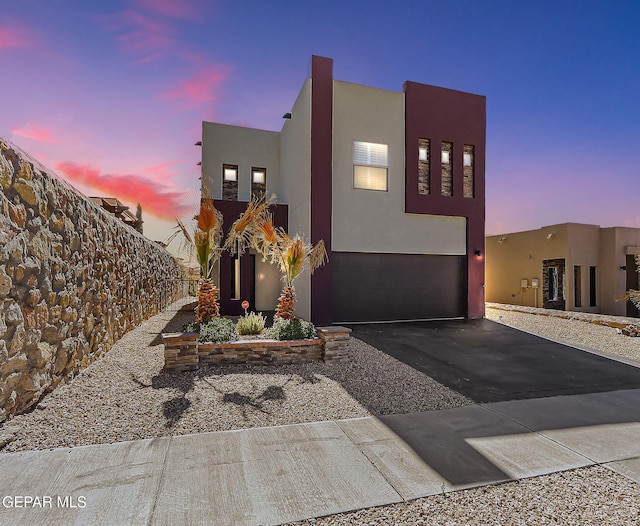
{"type": "Point", "coordinates": [370, 165]}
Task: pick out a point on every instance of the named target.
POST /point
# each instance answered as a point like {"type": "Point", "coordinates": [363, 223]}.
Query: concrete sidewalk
{"type": "Point", "coordinates": [279, 474]}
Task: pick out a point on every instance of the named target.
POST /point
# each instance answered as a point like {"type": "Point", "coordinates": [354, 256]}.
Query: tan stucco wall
{"type": "Point", "coordinates": [295, 183]}
{"type": "Point", "coordinates": [374, 221]}
{"type": "Point", "coordinates": [520, 256]}
{"type": "Point", "coordinates": [245, 147]}
{"type": "Point", "coordinates": [613, 251]}
{"type": "Point", "coordinates": [583, 251]}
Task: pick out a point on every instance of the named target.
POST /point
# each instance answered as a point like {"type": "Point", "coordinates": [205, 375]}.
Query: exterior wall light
{"type": "Point", "coordinates": [478, 253]}
{"type": "Point", "coordinates": [623, 267]}
{"type": "Point", "coordinates": [286, 116]}
{"type": "Point", "coordinates": [199, 143]}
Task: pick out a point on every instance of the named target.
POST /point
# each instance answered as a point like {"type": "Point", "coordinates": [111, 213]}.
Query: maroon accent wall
{"type": "Point", "coordinates": [442, 114]}
{"type": "Point", "coordinates": [231, 210]}
{"type": "Point", "coordinates": [321, 181]}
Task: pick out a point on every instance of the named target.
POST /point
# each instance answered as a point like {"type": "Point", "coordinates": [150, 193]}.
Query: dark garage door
{"type": "Point", "coordinates": [381, 287]}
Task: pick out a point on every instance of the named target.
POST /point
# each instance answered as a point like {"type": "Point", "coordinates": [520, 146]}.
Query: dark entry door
{"type": "Point", "coordinates": [553, 284]}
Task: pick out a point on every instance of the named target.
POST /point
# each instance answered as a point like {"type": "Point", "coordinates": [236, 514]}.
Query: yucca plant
{"type": "Point", "coordinates": [291, 254]}
{"type": "Point", "coordinates": [206, 240]}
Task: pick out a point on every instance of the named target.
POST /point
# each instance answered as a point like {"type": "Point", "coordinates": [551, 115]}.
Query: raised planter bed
{"type": "Point", "coordinates": [182, 352]}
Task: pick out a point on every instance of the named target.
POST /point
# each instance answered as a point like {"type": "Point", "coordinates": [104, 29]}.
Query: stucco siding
{"type": "Point", "coordinates": [375, 221]}
{"type": "Point", "coordinates": [244, 147]}
{"type": "Point", "coordinates": [295, 182]}
{"type": "Point", "coordinates": [513, 257]}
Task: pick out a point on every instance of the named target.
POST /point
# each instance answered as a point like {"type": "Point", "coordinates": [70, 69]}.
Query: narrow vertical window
{"type": "Point", "coordinates": [258, 181]}
{"type": "Point", "coordinates": [553, 283]}
{"type": "Point", "coordinates": [468, 173]}
{"type": "Point", "coordinates": [446, 186]}
{"type": "Point", "coordinates": [235, 277]}
{"type": "Point", "coordinates": [577, 286]}
{"type": "Point", "coordinates": [424, 147]}
{"type": "Point", "coordinates": [370, 165]}
{"type": "Point", "coordinates": [592, 286]}
{"type": "Point", "coordinates": [230, 182]}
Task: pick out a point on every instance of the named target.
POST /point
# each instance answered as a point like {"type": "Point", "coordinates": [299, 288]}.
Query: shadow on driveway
{"type": "Point", "coordinates": [489, 362]}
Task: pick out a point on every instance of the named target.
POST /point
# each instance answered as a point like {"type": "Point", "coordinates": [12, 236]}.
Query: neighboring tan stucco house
{"type": "Point", "coordinates": [393, 182]}
{"type": "Point", "coordinates": [570, 266]}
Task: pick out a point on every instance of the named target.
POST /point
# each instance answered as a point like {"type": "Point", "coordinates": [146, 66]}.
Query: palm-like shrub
{"type": "Point", "coordinates": [292, 255]}
{"type": "Point", "coordinates": [205, 241]}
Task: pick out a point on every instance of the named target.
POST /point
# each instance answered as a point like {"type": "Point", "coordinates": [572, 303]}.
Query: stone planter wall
{"type": "Point", "coordinates": [182, 352]}
{"type": "Point", "coordinates": [73, 280]}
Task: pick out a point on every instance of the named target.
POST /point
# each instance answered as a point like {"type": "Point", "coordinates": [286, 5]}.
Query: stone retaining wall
{"type": "Point", "coordinates": [182, 352]}
{"type": "Point", "coordinates": [73, 280]}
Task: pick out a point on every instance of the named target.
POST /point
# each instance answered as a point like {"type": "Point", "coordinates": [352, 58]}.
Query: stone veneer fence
{"type": "Point", "coordinates": [73, 280]}
{"type": "Point", "coordinates": [182, 352]}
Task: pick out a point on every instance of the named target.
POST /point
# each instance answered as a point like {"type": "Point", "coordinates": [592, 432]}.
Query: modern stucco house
{"type": "Point", "coordinates": [569, 266]}
{"type": "Point", "coordinates": [393, 182]}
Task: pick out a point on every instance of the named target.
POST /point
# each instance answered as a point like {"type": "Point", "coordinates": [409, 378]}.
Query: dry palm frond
{"type": "Point", "coordinates": [318, 256]}
{"type": "Point", "coordinates": [243, 229]}
{"type": "Point", "coordinates": [295, 254]}
{"type": "Point", "coordinates": [633, 295]}
{"type": "Point", "coordinates": [209, 218]}
{"type": "Point", "coordinates": [267, 239]}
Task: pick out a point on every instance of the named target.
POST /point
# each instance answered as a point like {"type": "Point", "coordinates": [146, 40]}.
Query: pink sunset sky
{"type": "Point", "coordinates": [111, 94]}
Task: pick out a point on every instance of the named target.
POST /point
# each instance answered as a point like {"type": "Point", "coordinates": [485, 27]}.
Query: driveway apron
{"type": "Point", "coordinates": [489, 362]}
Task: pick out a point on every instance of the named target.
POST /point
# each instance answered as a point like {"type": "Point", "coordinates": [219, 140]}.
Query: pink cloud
{"type": "Point", "coordinates": [199, 89]}
{"type": "Point", "coordinates": [35, 133]}
{"type": "Point", "coordinates": [162, 170]}
{"type": "Point", "coordinates": [185, 9]}
{"type": "Point", "coordinates": [13, 37]}
{"type": "Point", "coordinates": [154, 198]}
{"type": "Point", "coordinates": [141, 35]}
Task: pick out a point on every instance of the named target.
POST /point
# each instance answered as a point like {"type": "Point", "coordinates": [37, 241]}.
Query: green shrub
{"type": "Point", "coordinates": [217, 330]}
{"type": "Point", "coordinates": [251, 324]}
{"type": "Point", "coordinates": [292, 329]}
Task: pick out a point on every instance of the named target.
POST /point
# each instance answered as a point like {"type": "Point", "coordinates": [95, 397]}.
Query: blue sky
{"type": "Point", "coordinates": [111, 94]}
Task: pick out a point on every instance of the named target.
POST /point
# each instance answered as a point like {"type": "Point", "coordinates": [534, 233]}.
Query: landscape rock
{"type": "Point", "coordinates": [73, 280]}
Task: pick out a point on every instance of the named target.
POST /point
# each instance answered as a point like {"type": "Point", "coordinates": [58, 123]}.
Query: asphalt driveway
{"type": "Point", "coordinates": [489, 362]}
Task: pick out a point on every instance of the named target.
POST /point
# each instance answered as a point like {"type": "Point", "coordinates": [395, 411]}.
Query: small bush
{"type": "Point", "coordinates": [217, 330]}
{"type": "Point", "coordinates": [251, 324]}
{"type": "Point", "coordinates": [292, 329]}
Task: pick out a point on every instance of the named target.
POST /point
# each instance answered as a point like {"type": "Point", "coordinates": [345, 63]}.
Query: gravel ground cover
{"type": "Point", "coordinates": [592, 496]}
{"type": "Point", "coordinates": [126, 396]}
{"type": "Point", "coordinates": [574, 332]}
